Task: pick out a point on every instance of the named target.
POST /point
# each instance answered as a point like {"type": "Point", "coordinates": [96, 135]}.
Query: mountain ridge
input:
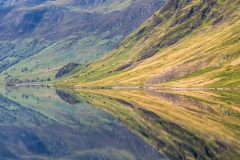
{"type": "Point", "coordinates": [185, 44]}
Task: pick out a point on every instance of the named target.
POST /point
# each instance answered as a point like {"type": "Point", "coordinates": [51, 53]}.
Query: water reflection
{"type": "Point", "coordinates": [66, 96]}
{"type": "Point", "coordinates": [44, 123]}
{"type": "Point", "coordinates": [180, 124]}
{"type": "Point", "coordinates": [47, 123]}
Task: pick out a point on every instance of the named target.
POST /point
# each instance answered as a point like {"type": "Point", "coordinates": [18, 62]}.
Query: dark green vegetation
{"type": "Point", "coordinates": [37, 38]}
{"type": "Point", "coordinates": [36, 123]}
{"type": "Point", "coordinates": [181, 124]}
{"type": "Point", "coordinates": [66, 69]}
{"type": "Point", "coordinates": [187, 43]}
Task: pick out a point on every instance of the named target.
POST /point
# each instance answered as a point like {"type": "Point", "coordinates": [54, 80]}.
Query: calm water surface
{"type": "Point", "coordinates": [49, 123]}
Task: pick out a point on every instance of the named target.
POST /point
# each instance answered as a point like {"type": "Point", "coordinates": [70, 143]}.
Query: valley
{"type": "Point", "coordinates": [37, 38]}
{"type": "Point", "coordinates": [120, 79]}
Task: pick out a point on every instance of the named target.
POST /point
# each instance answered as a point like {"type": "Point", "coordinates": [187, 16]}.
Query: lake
{"type": "Point", "coordinates": [48, 123]}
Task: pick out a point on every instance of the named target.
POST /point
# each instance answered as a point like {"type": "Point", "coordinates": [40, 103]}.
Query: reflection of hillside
{"type": "Point", "coordinates": [161, 123]}
{"type": "Point", "coordinates": [63, 141]}
{"type": "Point", "coordinates": [20, 114]}
{"type": "Point", "coordinates": [85, 133]}
{"type": "Point", "coordinates": [178, 100]}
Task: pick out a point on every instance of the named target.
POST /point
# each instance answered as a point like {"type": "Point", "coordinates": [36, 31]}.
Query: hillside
{"type": "Point", "coordinates": [37, 37]}
{"type": "Point", "coordinates": [192, 43]}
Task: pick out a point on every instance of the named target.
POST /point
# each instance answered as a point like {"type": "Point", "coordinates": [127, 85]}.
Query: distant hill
{"type": "Point", "coordinates": [38, 37]}
{"type": "Point", "coordinates": [187, 43]}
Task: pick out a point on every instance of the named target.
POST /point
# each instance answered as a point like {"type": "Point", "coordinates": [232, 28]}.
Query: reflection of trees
{"type": "Point", "coordinates": [20, 115]}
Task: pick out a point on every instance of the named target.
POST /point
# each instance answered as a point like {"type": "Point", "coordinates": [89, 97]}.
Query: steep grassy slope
{"type": "Point", "coordinates": [46, 35]}
{"type": "Point", "coordinates": [192, 43]}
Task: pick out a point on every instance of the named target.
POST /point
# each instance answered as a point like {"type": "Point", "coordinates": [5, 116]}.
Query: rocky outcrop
{"type": "Point", "coordinates": [124, 66]}
{"type": "Point", "coordinates": [66, 69]}
{"type": "Point", "coordinates": [176, 72]}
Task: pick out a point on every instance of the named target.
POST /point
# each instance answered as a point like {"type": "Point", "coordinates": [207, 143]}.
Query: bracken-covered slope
{"type": "Point", "coordinates": [188, 43]}
{"type": "Point", "coordinates": [38, 37]}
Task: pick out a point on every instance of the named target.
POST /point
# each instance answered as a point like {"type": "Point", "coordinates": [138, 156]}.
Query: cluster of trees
{"type": "Point", "coordinates": [24, 69]}
{"type": "Point", "coordinates": [14, 52]}
{"type": "Point", "coordinates": [9, 81]}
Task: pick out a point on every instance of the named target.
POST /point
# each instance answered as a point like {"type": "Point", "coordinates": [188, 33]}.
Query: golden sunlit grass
{"type": "Point", "coordinates": [215, 48]}
{"type": "Point", "coordinates": [205, 45]}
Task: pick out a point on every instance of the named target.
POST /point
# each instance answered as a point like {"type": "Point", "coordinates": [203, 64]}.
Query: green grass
{"type": "Point", "coordinates": [66, 37]}
{"type": "Point", "coordinates": [177, 42]}
{"type": "Point", "coordinates": [47, 62]}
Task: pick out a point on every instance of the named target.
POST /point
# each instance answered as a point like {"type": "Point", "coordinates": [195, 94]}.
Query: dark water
{"type": "Point", "coordinates": [48, 123]}
{"type": "Point", "coordinates": [45, 123]}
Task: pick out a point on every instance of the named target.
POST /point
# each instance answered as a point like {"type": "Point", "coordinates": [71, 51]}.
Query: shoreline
{"type": "Point", "coordinates": [156, 88]}
{"type": "Point", "coordinates": [27, 84]}
{"type": "Point", "coordinates": [128, 87]}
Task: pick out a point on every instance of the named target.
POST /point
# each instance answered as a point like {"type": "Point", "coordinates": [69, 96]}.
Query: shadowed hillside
{"type": "Point", "coordinates": [47, 35]}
